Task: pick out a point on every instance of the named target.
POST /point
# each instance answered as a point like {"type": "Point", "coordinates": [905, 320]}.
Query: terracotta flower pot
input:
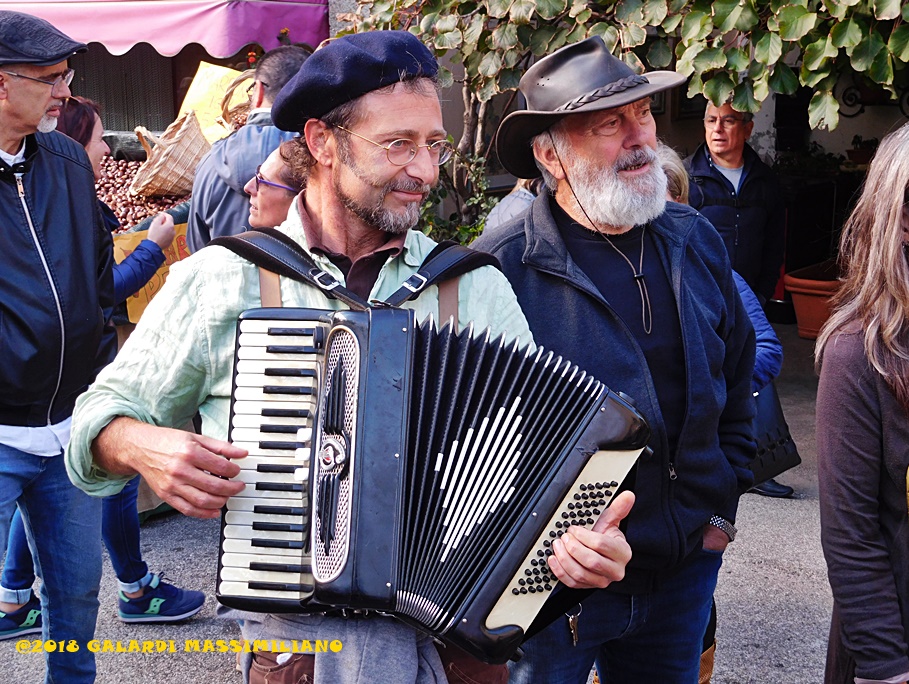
{"type": "Point", "coordinates": [812, 288]}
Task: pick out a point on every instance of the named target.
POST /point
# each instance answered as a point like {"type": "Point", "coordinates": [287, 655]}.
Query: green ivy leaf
{"type": "Point", "coordinates": [749, 17]}
{"type": "Point", "coordinates": [846, 34]}
{"type": "Point", "coordinates": [633, 61]}
{"type": "Point", "coordinates": [783, 80]}
{"type": "Point", "coordinates": [655, 11]}
{"type": "Point", "coordinates": [577, 34]}
{"type": "Point", "coordinates": [795, 22]}
{"type": "Point", "coordinates": [487, 90]}
{"type": "Point", "coordinates": [526, 33]}
{"type": "Point", "coordinates": [473, 32]}
{"type": "Point", "coordinates": [737, 59]}
{"type": "Point", "coordinates": [550, 9]}
{"type": "Point", "coordinates": [886, 9]}
{"type": "Point", "coordinates": [863, 54]}
{"type": "Point", "coordinates": [630, 12]}
{"type": "Point", "coordinates": [812, 78]}
{"type": "Point", "coordinates": [899, 43]}
{"type": "Point", "coordinates": [511, 58]}
{"type": "Point", "coordinates": [695, 87]}
{"type": "Point", "coordinates": [685, 63]}
{"type": "Point", "coordinates": [427, 22]}
{"type": "Point", "coordinates": [881, 70]}
{"type": "Point", "coordinates": [539, 41]}
{"type": "Point", "coordinates": [837, 9]}
{"type": "Point", "coordinates": [696, 26]}
{"type": "Point", "coordinates": [659, 55]}
{"type": "Point", "coordinates": [447, 23]}
{"type": "Point", "coordinates": [718, 88]}
{"type": "Point", "coordinates": [633, 35]}
{"type": "Point", "coordinates": [559, 39]}
{"type": "Point", "coordinates": [676, 6]}
{"type": "Point", "coordinates": [584, 16]}
{"type": "Point", "coordinates": [671, 23]}
{"type": "Point", "coordinates": [490, 65]}
{"type": "Point", "coordinates": [823, 111]}
{"type": "Point", "coordinates": [446, 78]}
{"type": "Point", "coordinates": [498, 9]}
{"type": "Point", "coordinates": [448, 41]}
{"type": "Point", "coordinates": [609, 33]}
{"type": "Point", "coordinates": [769, 49]}
{"type": "Point", "coordinates": [905, 12]}
{"type": "Point", "coordinates": [817, 52]}
{"type": "Point", "coordinates": [726, 14]}
{"type": "Point", "coordinates": [762, 87]}
{"type": "Point", "coordinates": [755, 70]}
{"type": "Point", "coordinates": [505, 36]}
{"type": "Point", "coordinates": [509, 79]}
{"type": "Point", "coordinates": [521, 11]}
{"type": "Point", "coordinates": [577, 7]}
{"type": "Point", "coordinates": [709, 59]}
{"type": "Point", "coordinates": [743, 98]}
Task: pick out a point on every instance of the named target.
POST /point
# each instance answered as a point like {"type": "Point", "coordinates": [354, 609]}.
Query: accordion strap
{"type": "Point", "coordinates": [272, 250]}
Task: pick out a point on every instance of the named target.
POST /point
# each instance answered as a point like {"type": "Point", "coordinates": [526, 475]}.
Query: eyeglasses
{"type": "Point", "coordinates": [724, 121]}
{"type": "Point", "coordinates": [252, 85]}
{"type": "Point", "coordinates": [66, 77]}
{"type": "Point", "coordinates": [260, 179]}
{"type": "Point", "coordinates": [402, 152]}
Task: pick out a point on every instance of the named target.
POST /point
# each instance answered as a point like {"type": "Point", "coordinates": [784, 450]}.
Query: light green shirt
{"type": "Point", "coordinates": [180, 357]}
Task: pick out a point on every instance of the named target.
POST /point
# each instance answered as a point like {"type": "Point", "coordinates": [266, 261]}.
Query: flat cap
{"type": "Point", "coordinates": [347, 68]}
{"type": "Point", "coordinates": [25, 39]}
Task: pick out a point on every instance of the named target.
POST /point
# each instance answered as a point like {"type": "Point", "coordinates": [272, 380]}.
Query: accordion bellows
{"type": "Point", "coordinates": [440, 466]}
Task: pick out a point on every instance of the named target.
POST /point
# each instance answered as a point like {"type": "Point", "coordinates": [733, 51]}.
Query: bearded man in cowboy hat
{"type": "Point", "coordinates": [638, 292]}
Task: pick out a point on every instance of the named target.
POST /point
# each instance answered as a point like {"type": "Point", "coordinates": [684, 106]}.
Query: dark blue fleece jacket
{"type": "Point", "coordinates": [677, 493]}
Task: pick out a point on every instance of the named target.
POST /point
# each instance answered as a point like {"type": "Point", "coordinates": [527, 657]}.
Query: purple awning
{"type": "Point", "coordinates": [222, 27]}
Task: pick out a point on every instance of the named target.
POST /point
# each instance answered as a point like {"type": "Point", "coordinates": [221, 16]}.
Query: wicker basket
{"type": "Point", "coordinates": [172, 161]}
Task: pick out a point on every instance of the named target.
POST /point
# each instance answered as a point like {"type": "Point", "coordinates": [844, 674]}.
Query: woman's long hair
{"type": "Point", "coordinates": [875, 270]}
{"type": "Point", "coordinates": [77, 119]}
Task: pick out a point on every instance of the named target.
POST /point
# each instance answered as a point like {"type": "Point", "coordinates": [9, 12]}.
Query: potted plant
{"type": "Point", "coordinates": [862, 150]}
{"type": "Point", "coordinates": [812, 288]}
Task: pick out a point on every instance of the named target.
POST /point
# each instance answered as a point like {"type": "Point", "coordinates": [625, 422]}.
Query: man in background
{"type": "Point", "coordinates": [56, 295]}
{"type": "Point", "coordinates": [219, 206]}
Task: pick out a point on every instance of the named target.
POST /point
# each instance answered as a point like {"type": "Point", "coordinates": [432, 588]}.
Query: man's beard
{"type": "Point", "coordinates": [607, 199]}
{"type": "Point", "coordinates": [47, 124]}
{"type": "Point", "coordinates": [377, 215]}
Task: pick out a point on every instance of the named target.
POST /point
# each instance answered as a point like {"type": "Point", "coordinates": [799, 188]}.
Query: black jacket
{"type": "Point", "coordinates": [677, 493]}
{"type": "Point", "coordinates": [56, 282]}
{"type": "Point", "coordinates": [751, 222]}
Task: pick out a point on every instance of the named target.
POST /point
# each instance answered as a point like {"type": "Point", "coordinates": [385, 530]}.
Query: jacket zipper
{"type": "Point", "coordinates": [50, 280]}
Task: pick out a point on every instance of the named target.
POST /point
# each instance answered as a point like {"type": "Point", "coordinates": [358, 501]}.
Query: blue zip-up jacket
{"type": "Point", "coordinates": [676, 493]}
{"type": "Point", "coordinates": [752, 221]}
{"type": "Point", "coordinates": [56, 282]}
{"type": "Point", "coordinates": [768, 356]}
{"type": "Point", "coordinates": [131, 274]}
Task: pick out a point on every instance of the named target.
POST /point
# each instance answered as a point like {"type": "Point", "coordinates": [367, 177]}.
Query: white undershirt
{"type": "Point", "coordinates": [734, 176]}
{"type": "Point", "coordinates": [48, 440]}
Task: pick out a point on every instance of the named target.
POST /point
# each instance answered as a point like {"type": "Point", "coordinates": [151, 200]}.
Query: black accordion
{"type": "Point", "coordinates": [417, 472]}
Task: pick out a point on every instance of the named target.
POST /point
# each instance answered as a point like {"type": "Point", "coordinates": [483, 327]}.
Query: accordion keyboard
{"type": "Point", "coordinates": [265, 529]}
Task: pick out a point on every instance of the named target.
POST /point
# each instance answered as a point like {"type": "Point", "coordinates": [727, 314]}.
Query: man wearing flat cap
{"type": "Point", "coordinates": [639, 293]}
{"type": "Point", "coordinates": [56, 293]}
{"type": "Point", "coordinates": [371, 144]}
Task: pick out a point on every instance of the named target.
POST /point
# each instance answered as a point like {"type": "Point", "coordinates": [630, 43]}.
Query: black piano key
{"type": "Point", "coordinates": [286, 446]}
{"type": "Point", "coordinates": [284, 413]}
{"type": "Point", "coordinates": [291, 372]}
{"type": "Point", "coordinates": [276, 543]}
{"type": "Point", "coordinates": [272, 468]}
{"type": "Point", "coordinates": [279, 586]}
{"type": "Point", "coordinates": [284, 389]}
{"type": "Point", "coordinates": [278, 487]}
{"type": "Point", "coordinates": [278, 527]}
{"type": "Point", "coordinates": [272, 428]}
{"type": "Point", "coordinates": [280, 510]}
{"type": "Point", "coordinates": [280, 567]}
{"type": "Point", "coordinates": [294, 332]}
{"type": "Point", "coordinates": [289, 349]}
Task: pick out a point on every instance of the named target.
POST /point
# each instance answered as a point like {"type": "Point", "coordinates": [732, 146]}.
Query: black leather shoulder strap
{"type": "Point", "coordinates": [447, 260]}
{"type": "Point", "coordinates": [273, 250]}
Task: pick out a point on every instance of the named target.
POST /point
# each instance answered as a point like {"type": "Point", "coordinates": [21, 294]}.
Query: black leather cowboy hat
{"type": "Point", "coordinates": [576, 79]}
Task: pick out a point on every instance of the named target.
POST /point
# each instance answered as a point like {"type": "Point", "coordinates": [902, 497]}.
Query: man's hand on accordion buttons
{"type": "Point", "coordinates": [585, 559]}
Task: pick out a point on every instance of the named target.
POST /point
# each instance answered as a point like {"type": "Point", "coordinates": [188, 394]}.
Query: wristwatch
{"type": "Point", "coordinates": [724, 525]}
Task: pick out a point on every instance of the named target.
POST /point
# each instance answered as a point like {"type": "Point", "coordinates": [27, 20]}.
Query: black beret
{"type": "Point", "coordinates": [25, 39]}
{"type": "Point", "coordinates": [347, 68]}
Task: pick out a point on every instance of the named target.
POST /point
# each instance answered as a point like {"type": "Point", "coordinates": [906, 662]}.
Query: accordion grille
{"type": "Point", "coordinates": [337, 441]}
{"type": "Point", "coordinates": [490, 425]}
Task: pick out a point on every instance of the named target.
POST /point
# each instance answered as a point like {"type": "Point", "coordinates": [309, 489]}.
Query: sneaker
{"type": "Point", "coordinates": [26, 620]}
{"type": "Point", "coordinates": [161, 602]}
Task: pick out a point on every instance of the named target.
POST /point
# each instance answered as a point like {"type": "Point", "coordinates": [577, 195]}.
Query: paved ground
{"type": "Point", "coordinates": [773, 599]}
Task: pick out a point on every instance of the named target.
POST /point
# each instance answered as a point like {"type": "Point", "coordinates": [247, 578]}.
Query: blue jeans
{"type": "Point", "coordinates": [61, 523]}
{"type": "Point", "coordinates": [655, 637]}
{"type": "Point", "coordinates": [120, 531]}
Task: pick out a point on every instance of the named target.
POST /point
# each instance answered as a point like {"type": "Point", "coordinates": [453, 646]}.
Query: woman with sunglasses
{"type": "Point", "coordinates": [139, 588]}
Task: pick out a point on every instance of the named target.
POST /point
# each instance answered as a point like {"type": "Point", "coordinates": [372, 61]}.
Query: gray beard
{"type": "Point", "coordinates": [47, 124]}
{"type": "Point", "coordinates": [378, 216]}
{"type": "Point", "coordinates": [609, 200]}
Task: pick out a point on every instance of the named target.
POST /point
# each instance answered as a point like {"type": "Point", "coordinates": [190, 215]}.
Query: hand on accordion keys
{"type": "Point", "coordinates": [585, 559]}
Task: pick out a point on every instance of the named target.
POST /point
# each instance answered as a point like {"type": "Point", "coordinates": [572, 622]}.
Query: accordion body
{"type": "Point", "coordinates": [413, 471]}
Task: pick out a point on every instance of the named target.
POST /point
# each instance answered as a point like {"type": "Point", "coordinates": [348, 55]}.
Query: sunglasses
{"type": "Point", "coordinates": [261, 180]}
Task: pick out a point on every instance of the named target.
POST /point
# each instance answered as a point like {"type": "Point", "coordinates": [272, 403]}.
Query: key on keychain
{"type": "Point", "coordinates": [573, 624]}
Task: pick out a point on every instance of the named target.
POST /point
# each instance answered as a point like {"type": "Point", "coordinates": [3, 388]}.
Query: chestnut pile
{"type": "Point", "coordinates": [113, 190]}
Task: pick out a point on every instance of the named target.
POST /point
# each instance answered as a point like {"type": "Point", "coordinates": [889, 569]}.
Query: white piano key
{"type": "Point", "coordinates": [239, 503]}
{"type": "Point", "coordinates": [258, 422]}
{"type": "Point", "coordinates": [263, 325]}
{"type": "Point", "coordinates": [265, 340]}
{"type": "Point", "coordinates": [243, 560]}
{"type": "Point", "coordinates": [251, 463]}
{"type": "Point", "coordinates": [242, 590]}
{"type": "Point", "coordinates": [246, 532]}
{"type": "Point", "coordinates": [255, 450]}
{"type": "Point", "coordinates": [248, 518]}
{"type": "Point", "coordinates": [253, 407]}
{"type": "Point", "coordinates": [254, 476]}
{"type": "Point", "coordinates": [244, 546]}
{"type": "Point", "coordinates": [243, 574]}
{"type": "Point", "coordinates": [250, 366]}
{"type": "Point", "coordinates": [241, 434]}
{"type": "Point", "coordinates": [251, 491]}
{"type": "Point", "coordinates": [262, 354]}
{"type": "Point", "coordinates": [262, 380]}
{"type": "Point", "coordinates": [258, 394]}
